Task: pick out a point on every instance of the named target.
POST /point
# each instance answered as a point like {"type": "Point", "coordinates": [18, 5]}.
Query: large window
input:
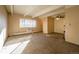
{"type": "Point", "coordinates": [27, 23]}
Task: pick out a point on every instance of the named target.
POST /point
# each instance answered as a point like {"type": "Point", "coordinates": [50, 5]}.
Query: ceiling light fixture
{"type": "Point", "coordinates": [58, 17]}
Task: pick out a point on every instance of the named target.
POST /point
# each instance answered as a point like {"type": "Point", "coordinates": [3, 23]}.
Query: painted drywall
{"type": "Point", "coordinates": [14, 25]}
{"type": "Point", "coordinates": [3, 25]}
{"type": "Point", "coordinates": [48, 24]}
{"type": "Point", "coordinates": [45, 25]}
{"type": "Point", "coordinates": [59, 25]}
{"type": "Point", "coordinates": [72, 25]}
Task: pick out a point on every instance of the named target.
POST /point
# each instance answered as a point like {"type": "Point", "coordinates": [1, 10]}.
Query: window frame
{"type": "Point", "coordinates": [23, 23]}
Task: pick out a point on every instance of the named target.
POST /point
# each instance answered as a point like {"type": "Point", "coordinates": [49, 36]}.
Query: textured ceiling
{"type": "Point", "coordinates": [32, 10]}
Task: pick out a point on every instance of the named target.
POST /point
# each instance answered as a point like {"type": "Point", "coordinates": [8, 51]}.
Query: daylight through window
{"type": "Point", "coordinates": [27, 23]}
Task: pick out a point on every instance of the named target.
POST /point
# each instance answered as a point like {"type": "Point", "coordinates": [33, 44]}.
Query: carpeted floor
{"type": "Point", "coordinates": [47, 44]}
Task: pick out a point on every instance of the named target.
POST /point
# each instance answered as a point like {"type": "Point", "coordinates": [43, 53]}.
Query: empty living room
{"type": "Point", "coordinates": [39, 29]}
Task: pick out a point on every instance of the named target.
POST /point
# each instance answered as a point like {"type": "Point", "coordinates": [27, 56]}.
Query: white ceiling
{"type": "Point", "coordinates": [32, 10]}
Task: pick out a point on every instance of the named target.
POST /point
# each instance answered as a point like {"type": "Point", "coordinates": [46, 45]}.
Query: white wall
{"type": "Point", "coordinates": [3, 25]}
{"type": "Point", "coordinates": [48, 24]}
{"type": "Point", "coordinates": [45, 25]}
{"type": "Point", "coordinates": [14, 28]}
{"type": "Point", "coordinates": [59, 25]}
{"type": "Point", "coordinates": [72, 25]}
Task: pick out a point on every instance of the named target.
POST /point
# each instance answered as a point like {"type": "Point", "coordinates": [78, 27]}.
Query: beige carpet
{"type": "Point", "coordinates": [44, 44]}
{"type": "Point", "coordinates": [15, 44]}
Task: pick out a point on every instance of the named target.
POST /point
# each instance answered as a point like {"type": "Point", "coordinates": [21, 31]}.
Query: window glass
{"type": "Point", "coordinates": [27, 23]}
